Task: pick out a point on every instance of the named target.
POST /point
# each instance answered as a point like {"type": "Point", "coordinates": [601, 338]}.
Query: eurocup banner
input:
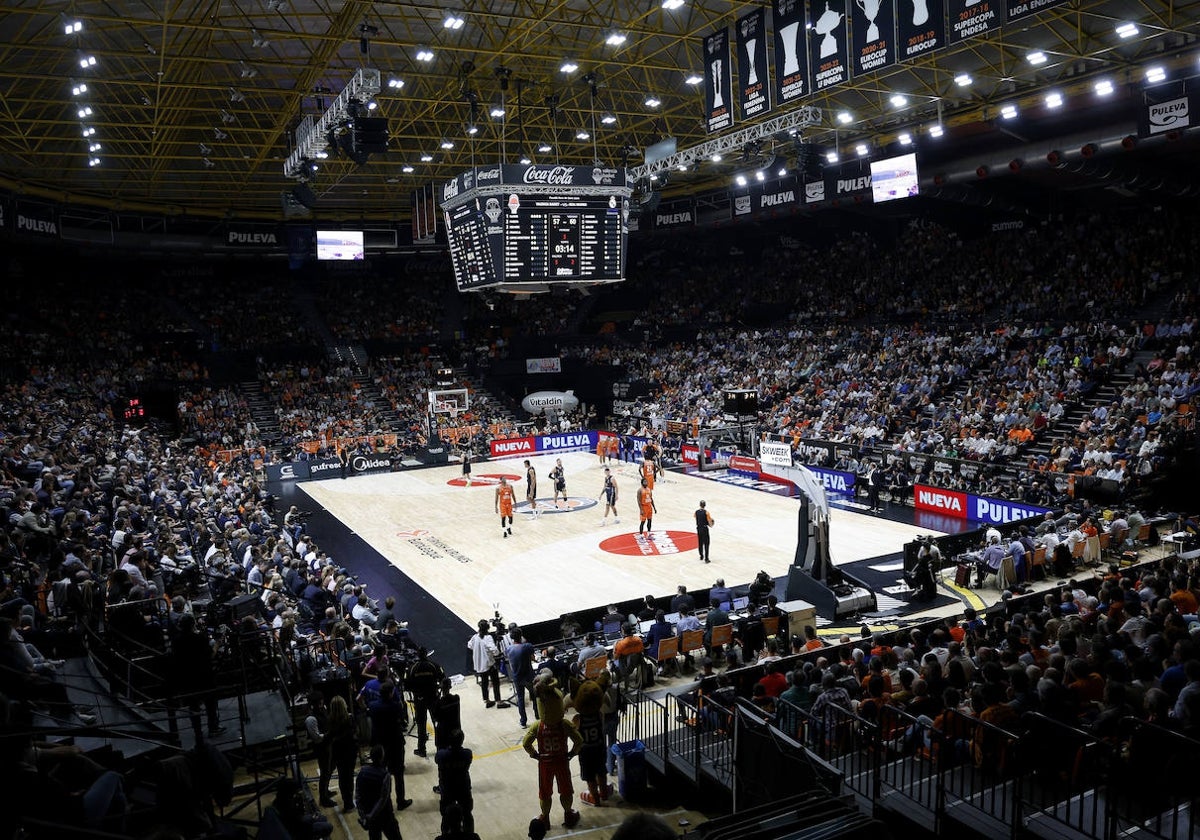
{"type": "Point", "coordinates": [829, 54]}
{"type": "Point", "coordinates": [791, 50]}
{"type": "Point", "coordinates": [754, 86]}
{"type": "Point", "coordinates": [718, 87]}
{"type": "Point", "coordinates": [873, 23]}
{"type": "Point", "coordinates": [920, 27]}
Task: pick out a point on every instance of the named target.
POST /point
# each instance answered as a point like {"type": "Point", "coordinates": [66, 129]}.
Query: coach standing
{"type": "Point", "coordinates": [704, 521]}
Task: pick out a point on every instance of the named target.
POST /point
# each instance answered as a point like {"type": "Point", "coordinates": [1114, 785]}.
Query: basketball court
{"type": "Point", "coordinates": [446, 536]}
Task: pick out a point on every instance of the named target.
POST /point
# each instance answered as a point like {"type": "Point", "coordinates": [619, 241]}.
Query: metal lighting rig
{"type": "Point", "coordinates": [312, 136]}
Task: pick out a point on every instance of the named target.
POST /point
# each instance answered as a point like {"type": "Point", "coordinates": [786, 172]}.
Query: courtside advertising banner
{"type": "Point", "coordinates": [775, 197]}
{"type": "Point", "coordinates": [835, 481]}
{"type": "Point", "coordinates": [552, 364]}
{"type": "Point", "coordinates": [775, 453]}
{"type": "Point", "coordinates": [791, 50]}
{"type": "Point", "coordinates": [513, 446]}
{"type": "Point", "coordinates": [920, 27]}
{"type": "Point", "coordinates": [295, 471]}
{"type": "Point", "coordinates": [567, 441]}
{"type": "Point", "coordinates": [829, 54]}
{"type": "Point", "coordinates": [968, 506]}
{"type": "Point", "coordinates": [874, 25]}
{"type": "Point", "coordinates": [754, 89]}
{"type": "Point", "coordinates": [718, 87]}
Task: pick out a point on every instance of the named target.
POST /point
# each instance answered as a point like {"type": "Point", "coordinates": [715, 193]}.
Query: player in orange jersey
{"type": "Point", "coordinates": [504, 506]}
{"type": "Point", "coordinates": [646, 507]}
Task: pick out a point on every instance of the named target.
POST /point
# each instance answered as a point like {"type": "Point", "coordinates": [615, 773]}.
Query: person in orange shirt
{"type": "Point", "coordinates": [1182, 597]}
{"type": "Point", "coordinates": [646, 507]}
{"type": "Point", "coordinates": [648, 471]}
{"type": "Point", "coordinates": [504, 506]}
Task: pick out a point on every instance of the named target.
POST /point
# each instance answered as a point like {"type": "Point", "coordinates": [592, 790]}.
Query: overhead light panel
{"type": "Point", "coordinates": [716, 158]}
{"type": "Point", "coordinates": [395, 84]}
{"type": "Point", "coordinates": [424, 54]}
{"type": "Point", "coordinates": [582, 135]}
{"type": "Point", "coordinates": [1104, 87]}
{"type": "Point", "coordinates": [407, 169]}
{"type": "Point", "coordinates": [94, 147]}
{"type": "Point", "coordinates": [831, 157]}
{"type": "Point", "coordinates": [616, 39]}
{"type": "Point", "coordinates": [87, 131]}
{"type": "Point", "coordinates": [236, 95]}
{"type": "Point", "coordinates": [1127, 30]}
{"type": "Point", "coordinates": [962, 79]}
{"type": "Point", "coordinates": [524, 160]}
{"type": "Point", "coordinates": [205, 150]}
{"type": "Point", "coordinates": [227, 117]}
{"type": "Point", "coordinates": [72, 26]}
{"type": "Point", "coordinates": [1036, 58]}
{"type": "Point", "coordinates": [898, 100]}
{"type": "Point", "coordinates": [1155, 74]}
{"type": "Point", "coordinates": [453, 21]}
{"type": "Point", "coordinates": [372, 105]}
{"type": "Point", "coordinates": [496, 112]}
{"type": "Point", "coordinates": [1009, 111]}
{"type": "Point", "coordinates": [672, 5]}
{"type": "Point", "coordinates": [652, 101]}
{"type": "Point", "coordinates": [257, 39]}
{"type": "Point", "coordinates": [741, 180]}
{"type": "Point", "coordinates": [219, 134]}
{"type": "Point", "coordinates": [693, 79]}
{"type": "Point", "coordinates": [568, 66]}
{"type": "Point", "coordinates": [862, 149]}
{"type": "Point", "coordinates": [447, 144]}
{"type": "Point", "coordinates": [84, 112]}
{"type": "Point", "coordinates": [78, 88]}
{"type": "Point", "coordinates": [208, 164]}
{"type": "Point", "coordinates": [545, 149]}
{"type": "Point", "coordinates": [94, 162]}
{"type": "Point", "coordinates": [246, 71]}
{"type": "Point", "coordinates": [760, 175]}
{"type": "Point", "coordinates": [845, 117]}
{"type": "Point", "coordinates": [1054, 99]}
{"type": "Point", "coordinates": [936, 130]}
{"type": "Point", "coordinates": [608, 118]}
{"type": "Point", "coordinates": [426, 157]}
{"type": "Point", "coordinates": [905, 138]}
{"type": "Point", "coordinates": [87, 60]}
{"type": "Point", "coordinates": [472, 130]}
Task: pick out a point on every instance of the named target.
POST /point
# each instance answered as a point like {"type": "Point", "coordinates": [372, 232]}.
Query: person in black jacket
{"type": "Point", "coordinates": [194, 678]}
{"type": "Point", "coordinates": [375, 798]}
{"type": "Point", "coordinates": [423, 681]}
{"type": "Point", "coordinates": [389, 717]}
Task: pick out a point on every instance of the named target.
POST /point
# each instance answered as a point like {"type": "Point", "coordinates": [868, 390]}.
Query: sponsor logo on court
{"type": "Point", "coordinates": [657, 543]}
{"type": "Point", "coordinates": [490, 479]}
{"type": "Point", "coordinates": [546, 505]}
{"type": "Point", "coordinates": [432, 547]}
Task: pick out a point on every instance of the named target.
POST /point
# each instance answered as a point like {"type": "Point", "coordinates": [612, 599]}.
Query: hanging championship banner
{"type": "Point", "coordinates": [975, 19]}
{"type": "Point", "coordinates": [754, 92]}
{"type": "Point", "coordinates": [1018, 9]}
{"type": "Point", "coordinates": [718, 87]}
{"type": "Point", "coordinates": [791, 50]}
{"type": "Point", "coordinates": [920, 27]}
{"type": "Point", "coordinates": [874, 27]}
{"type": "Point", "coordinates": [828, 56]}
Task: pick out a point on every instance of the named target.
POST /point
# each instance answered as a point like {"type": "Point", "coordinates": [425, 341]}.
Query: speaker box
{"type": "Point", "coordinates": [368, 134]}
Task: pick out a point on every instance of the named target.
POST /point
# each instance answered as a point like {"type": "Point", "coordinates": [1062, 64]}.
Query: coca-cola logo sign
{"type": "Point", "coordinates": [555, 176]}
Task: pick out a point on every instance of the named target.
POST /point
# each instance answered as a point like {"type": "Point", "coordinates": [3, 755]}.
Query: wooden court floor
{"type": "Point", "coordinates": [447, 537]}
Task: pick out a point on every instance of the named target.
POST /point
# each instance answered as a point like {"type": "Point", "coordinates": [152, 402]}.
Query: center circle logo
{"type": "Point", "coordinates": [546, 505]}
{"type": "Point", "coordinates": [490, 479]}
{"type": "Point", "coordinates": [657, 543]}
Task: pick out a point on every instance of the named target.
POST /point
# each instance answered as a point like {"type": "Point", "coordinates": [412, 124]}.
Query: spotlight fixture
{"type": "Point", "coordinates": [845, 117]}
{"type": "Point", "coordinates": [962, 79]}
{"type": "Point", "coordinates": [426, 157]}
{"type": "Point", "coordinates": [453, 21]}
{"type": "Point", "coordinates": [365, 33]}
{"type": "Point", "coordinates": [395, 83]}
{"type": "Point", "coordinates": [218, 134]}
{"type": "Point", "coordinates": [831, 157]}
{"type": "Point", "coordinates": [524, 160]}
{"type": "Point", "coordinates": [862, 149]}
{"type": "Point", "coordinates": [616, 39]}
{"type": "Point", "coordinates": [898, 100]}
{"type": "Point", "coordinates": [936, 130]}
{"type": "Point", "coordinates": [407, 169]}
{"type": "Point", "coordinates": [582, 135]}
{"type": "Point", "coordinates": [87, 60]}
{"type": "Point", "coordinates": [671, 5]}
{"type": "Point", "coordinates": [246, 71]}
{"type": "Point", "coordinates": [424, 54]}
{"type": "Point", "coordinates": [496, 112]}
{"type": "Point", "coordinates": [236, 95]}
{"type": "Point", "coordinates": [545, 149]}
{"type": "Point", "coordinates": [72, 26]}
{"type": "Point", "coordinates": [87, 131]}
{"type": "Point", "coordinates": [205, 150]}
{"type": "Point", "coordinates": [905, 138]}
{"type": "Point", "coordinates": [208, 164]}
{"type": "Point", "coordinates": [682, 167]}
{"type": "Point", "coordinates": [257, 39]}
{"type": "Point", "coordinates": [1036, 58]}
{"type": "Point", "coordinates": [1104, 87]}
{"type": "Point", "coordinates": [372, 105]}
{"type": "Point", "coordinates": [94, 162]}
{"type": "Point", "coordinates": [274, 5]}
{"type": "Point", "coordinates": [1054, 100]}
{"type": "Point", "coordinates": [653, 176]}
{"type": "Point", "coordinates": [84, 112]}
{"type": "Point", "coordinates": [652, 101]}
{"type": "Point", "coordinates": [760, 176]}
{"type": "Point", "coordinates": [568, 66]}
{"type": "Point", "coordinates": [447, 144]}
{"type": "Point", "coordinates": [716, 158]}
{"type": "Point", "coordinates": [741, 180]}
{"type": "Point", "coordinates": [1127, 30]}
{"type": "Point", "coordinates": [472, 130]}
{"type": "Point", "coordinates": [227, 117]}
{"type": "Point", "coordinates": [1155, 74]}
{"type": "Point", "coordinates": [78, 88]}
{"type": "Point", "coordinates": [94, 147]}
{"type": "Point", "coordinates": [1009, 111]}
{"type": "Point", "coordinates": [693, 79]}
{"type": "Point", "coordinates": [148, 47]}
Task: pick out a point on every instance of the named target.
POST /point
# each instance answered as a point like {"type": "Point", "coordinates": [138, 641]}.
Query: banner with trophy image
{"type": "Point", "coordinates": [873, 23]}
{"type": "Point", "coordinates": [791, 50]}
{"type": "Point", "coordinates": [920, 27]}
{"type": "Point", "coordinates": [754, 92]}
{"type": "Point", "coordinates": [828, 55]}
{"type": "Point", "coordinates": [718, 87]}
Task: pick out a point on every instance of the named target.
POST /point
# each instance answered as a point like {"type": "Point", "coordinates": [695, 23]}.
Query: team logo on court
{"type": "Point", "coordinates": [490, 479]}
{"type": "Point", "coordinates": [547, 505]}
{"type": "Point", "coordinates": [413, 534]}
{"type": "Point", "coordinates": [657, 543]}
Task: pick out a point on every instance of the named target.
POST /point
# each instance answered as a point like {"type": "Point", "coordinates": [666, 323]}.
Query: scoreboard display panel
{"type": "Point", "coordinates": [553, 227]}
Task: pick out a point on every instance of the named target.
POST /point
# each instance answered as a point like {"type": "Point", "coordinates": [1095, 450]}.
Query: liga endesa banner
{"type": "Point", "coordinates": [971, 507]}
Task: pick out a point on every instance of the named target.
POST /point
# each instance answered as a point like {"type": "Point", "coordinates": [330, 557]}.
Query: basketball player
{"type": "Point", "coordinates": [466, 465]}
{"type": "Point", "coordinates": [560, 481]}
{"type": "Point", "coordinates": [504, 506]}
{"type": "Point", "coordinates": [704, 521]}
{"type": "Point", "coordinates": [648, 467]}
{"type": "Point", "coordinates": [646, 507]}
{"type": "Point", "coordinates": [531, 488]}
{"type": "Point", "coordinates": [610, 497]}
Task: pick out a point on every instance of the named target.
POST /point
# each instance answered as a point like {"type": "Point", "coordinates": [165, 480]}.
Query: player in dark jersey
{"type": "Point", "coordinates": [559, 479]}
{"type": "Point", "coordinates": [704, 521]}
{"type": "Point", "coordinates": [610, 497]}
{"type": "Point", "coordinates": [531, 488]}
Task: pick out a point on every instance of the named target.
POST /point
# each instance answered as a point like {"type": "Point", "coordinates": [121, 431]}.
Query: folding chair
{"type": "Point", "coordinates": [722, 635]}
{"type": "Point", "coordinates": [770, 625]}
{"type": "Point", "coordinates": [595, 666]}
{"type": "Point", "coordinates": [668, 649]}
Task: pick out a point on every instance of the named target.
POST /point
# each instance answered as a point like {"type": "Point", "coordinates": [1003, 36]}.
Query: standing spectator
{"type": "Point", "coordinates": [454, 781]}
{"type": "Point", "coordinates": [194, 678]}
{"type": "Point", "coordinates": [343, 748]}
{"type": "Point", "coordinates": [375, 798]}
{"type": "Point", "coordinates": [389, 718]}
{"type": "Point", "coordinates": [424, 677]}
{"type": "Point", "coordinates": [317, 726]}
{"type": "Point", "coordinates": [484, 654]}
{"type": "Point", "coordinates": [520, 668]}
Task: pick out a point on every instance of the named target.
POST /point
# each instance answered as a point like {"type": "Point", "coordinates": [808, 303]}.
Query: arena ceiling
{"type": "Point", "coordinates": [194, 102]}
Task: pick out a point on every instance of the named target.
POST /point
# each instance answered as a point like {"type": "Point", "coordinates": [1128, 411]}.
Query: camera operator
{"type": "Point", "coordinates": [924, 573]}
{"type": "Point", "coordinates": [484, 653]}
